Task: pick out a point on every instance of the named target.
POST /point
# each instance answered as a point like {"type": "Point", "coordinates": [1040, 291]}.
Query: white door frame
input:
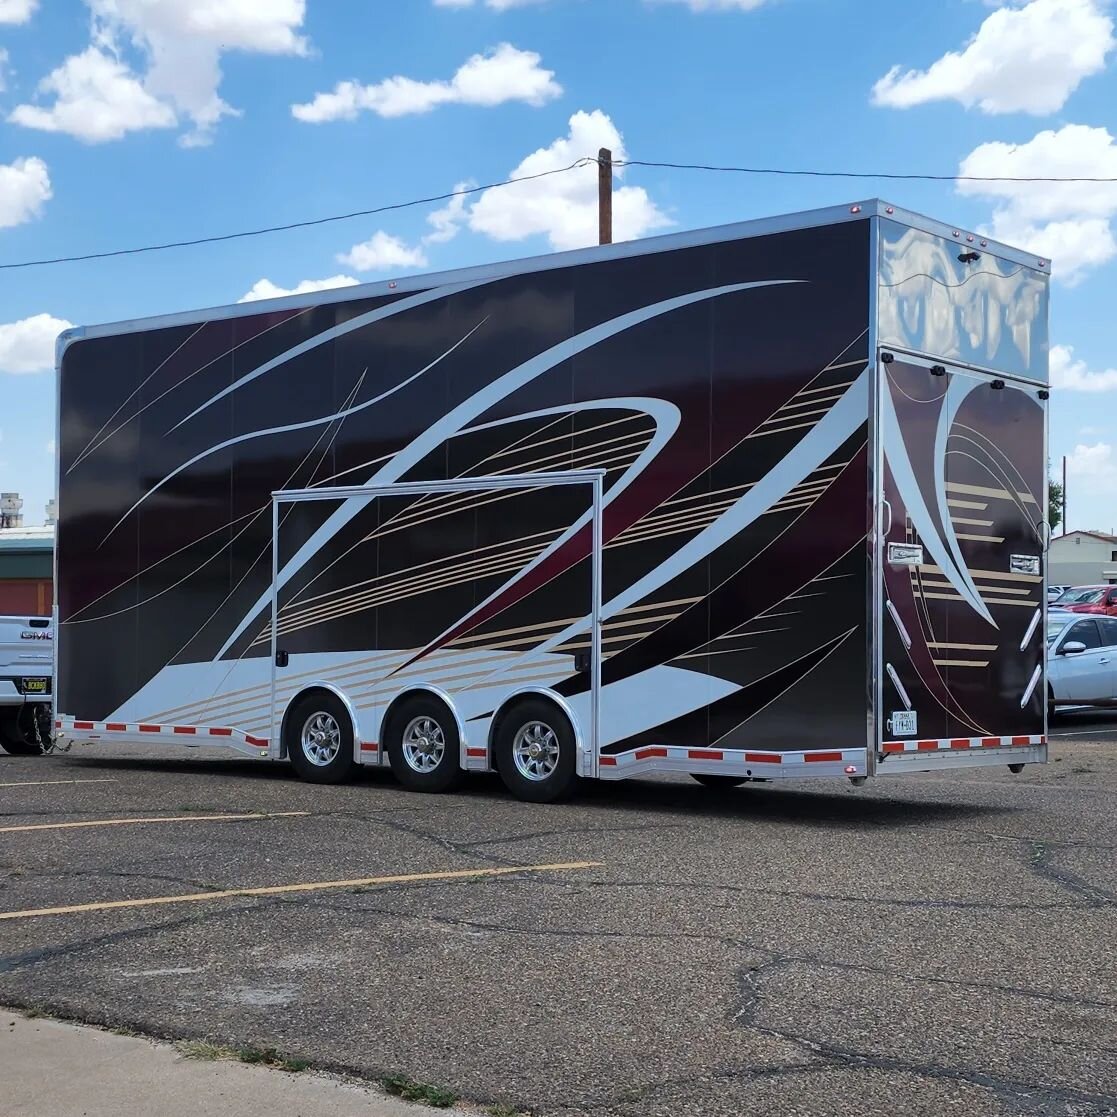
{"type": "Point", "coordinates": [595, 478]}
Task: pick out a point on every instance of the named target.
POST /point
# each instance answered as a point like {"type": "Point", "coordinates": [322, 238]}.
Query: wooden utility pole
{"type": "Point", "coordinates": [605, 196]}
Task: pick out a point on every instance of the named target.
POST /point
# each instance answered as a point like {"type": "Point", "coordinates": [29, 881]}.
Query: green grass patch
{"type": "Point", "coordinates": [400, 1086]}
{"type": "Point", "coordinates": [269, 1057]}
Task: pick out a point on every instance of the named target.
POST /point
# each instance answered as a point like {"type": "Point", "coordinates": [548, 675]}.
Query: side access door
{"type": "Point", "coordinates": [961, 560]}
{"type": "Point", "coordinates": [472, 590]}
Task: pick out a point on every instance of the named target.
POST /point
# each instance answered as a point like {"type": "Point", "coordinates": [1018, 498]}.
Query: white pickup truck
{"type": "Point", "coordinates": [26, 677]}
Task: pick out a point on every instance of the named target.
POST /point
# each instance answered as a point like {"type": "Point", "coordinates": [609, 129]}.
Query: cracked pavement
{"type": "Point", "coordinates": [940, 944]}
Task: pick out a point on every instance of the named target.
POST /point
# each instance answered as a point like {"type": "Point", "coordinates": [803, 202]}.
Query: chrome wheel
{"type": "Point", "coordinates": [535, 751]}
{"type": "Point", "coordinates": [321, 739]}
{"type": "Point", "coordinates": [424, 744]}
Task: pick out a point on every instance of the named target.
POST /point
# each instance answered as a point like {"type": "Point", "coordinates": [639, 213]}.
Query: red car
{"type": "Point", "coordinates": [1089, 599]}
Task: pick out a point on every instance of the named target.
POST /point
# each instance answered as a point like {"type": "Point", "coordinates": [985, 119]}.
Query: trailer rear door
{"type": "Point", "coordinates": [961, 562]}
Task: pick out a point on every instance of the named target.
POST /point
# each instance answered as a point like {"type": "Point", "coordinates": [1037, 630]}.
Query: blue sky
{"type": "Point", "coordinates": [127, 122]}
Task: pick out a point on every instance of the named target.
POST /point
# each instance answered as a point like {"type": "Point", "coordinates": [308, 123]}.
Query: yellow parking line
{"type": "Point", "coordinates": [147, 821]}
{"type": "Point", "coordinates": [50, 783]}
{"type": "Point", "coordinates": [314, 886]}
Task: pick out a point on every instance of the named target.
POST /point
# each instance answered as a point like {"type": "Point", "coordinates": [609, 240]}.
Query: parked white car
{"type": "Point", "coordinates": [1081, 660]}
{"type": "Point", "coordinates": [26, 677]}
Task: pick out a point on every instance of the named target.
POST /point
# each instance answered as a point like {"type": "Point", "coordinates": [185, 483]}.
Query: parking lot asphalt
{"type": "Point", "coordinates": [939, 944]}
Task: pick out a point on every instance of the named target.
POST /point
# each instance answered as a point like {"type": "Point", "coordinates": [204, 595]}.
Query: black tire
{"type": "Point", "coordinates": [17, 729]}
{"type": "Point", "coordinates": [535, 720]}
{"type": "Point", "coordinates": [309, 735]}
{"type": "Point", "coordinates": [718, 783]}
{"type": "Point", "coordinates": [423, 744]}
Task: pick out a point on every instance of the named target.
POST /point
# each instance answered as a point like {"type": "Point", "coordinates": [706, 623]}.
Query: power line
{"type": "Point", "coordinates": [854, 174]}
{"type": "Point", "coordinates": [583, 162]}
{"type": "Point", "coordinates": [465, 192]}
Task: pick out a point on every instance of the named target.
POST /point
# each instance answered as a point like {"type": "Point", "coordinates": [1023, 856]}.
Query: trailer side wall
{"type": "Point", "coordinates": [725, 389]}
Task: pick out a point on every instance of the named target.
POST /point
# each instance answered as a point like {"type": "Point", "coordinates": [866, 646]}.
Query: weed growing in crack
{"type": "Point", "coordinates": [400, 1086]}
{"type": "Point", "coordinates": [269, 1057]}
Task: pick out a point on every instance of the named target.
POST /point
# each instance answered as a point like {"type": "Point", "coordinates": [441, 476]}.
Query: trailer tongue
{"type": "Point", "coordinates": [765, 501]}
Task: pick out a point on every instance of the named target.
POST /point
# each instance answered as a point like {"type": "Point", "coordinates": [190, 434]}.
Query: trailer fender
{"type": "Point", "coordinates": [340, 695]}
{"type": "Point", "coordinates": [445, 699]}
{"type": "Point", "coordinates": [536, 692]}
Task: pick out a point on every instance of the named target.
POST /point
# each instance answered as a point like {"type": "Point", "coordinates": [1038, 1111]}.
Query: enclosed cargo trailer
{"type": "Point", "coordinates": [760, 501]}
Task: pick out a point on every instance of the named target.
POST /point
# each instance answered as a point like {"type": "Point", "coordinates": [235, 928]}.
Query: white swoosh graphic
{"type": "Point", "coordinates": [818, 444]}
{"type": "Point", "coordinates": [468, 410]}
{"type": "Point", "coordinates": [896, 454]}
{"type": "Point", "coordinates": [322, 421]}
{"type": "Point", "coordinates": [332, 334]}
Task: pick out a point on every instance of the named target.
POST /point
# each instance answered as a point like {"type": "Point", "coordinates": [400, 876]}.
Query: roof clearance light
{"type": "Point", "coordinates": [854, 209]}
{"type": "Point", "coordinates": [956, 233]}
{"type": "Point", "coordinates": [1043, 263]}
{"type": "Point", "coordinates": [889, 209]}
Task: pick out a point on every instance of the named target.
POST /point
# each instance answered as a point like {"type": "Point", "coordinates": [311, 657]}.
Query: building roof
{"type": "Point", "coordinates": [26, 539]}
{"type": "Point", "coordinates": [1103, 535]}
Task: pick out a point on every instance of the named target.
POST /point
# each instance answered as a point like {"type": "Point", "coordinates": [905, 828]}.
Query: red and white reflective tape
{"type": "Point", "coordinates": [947, 744]}
{"type": "Point", "coordinates": [733, 757]}
{"type": "Point", "coordinates": [144, 730]}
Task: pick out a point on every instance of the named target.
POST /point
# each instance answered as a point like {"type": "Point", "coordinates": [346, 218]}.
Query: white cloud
{"type": "Point", "coordinates": [24, 190]}
{"type": "Point", "coordinates": [98, 96]}
{"type": "Point", "coordinates": [1028, 59]}
{"type": "Point", "coordinates": [383, 252]}
{"type": "Point", "coordinates": [1067, 222]}
{"type": "Point", "coordinates": [96, 99]}
{"type": "Point", "coordinates": [17, 11]}
{"type": "Point", "coordinates": [564, 206]}
{"type": "Point", "coordinates": [1096, 462]}
{"type": "Point", "coordinates": [447, 221]}
{"type": "Point", "coordinates": [504, 74]}
{"type": "Point", "coordinates": [1092, 481]}
{"type": "Point", "coordinates": [28, 345]}
{"type": "Point", "coordinates": [1075, 376]}
{"type": "Point", "coordinates": [265, 289]}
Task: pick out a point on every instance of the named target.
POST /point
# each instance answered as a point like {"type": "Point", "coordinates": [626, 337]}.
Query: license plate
{"type": "Point", "coordinates": [35, 686]}
{"type": "Point", "coordinates": [903, 724]}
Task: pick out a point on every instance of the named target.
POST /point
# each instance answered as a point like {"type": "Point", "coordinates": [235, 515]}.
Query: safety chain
{"type": "Point", "coordinates": [50, 743]}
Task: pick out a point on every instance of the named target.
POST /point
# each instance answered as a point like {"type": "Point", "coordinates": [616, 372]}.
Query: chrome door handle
{"type": "Point", "coordinates": [1043, 534]}
{"type": "Point", "coordinates": [1106, 660]}
{"type": "Point", "coordinates": [885, 531]}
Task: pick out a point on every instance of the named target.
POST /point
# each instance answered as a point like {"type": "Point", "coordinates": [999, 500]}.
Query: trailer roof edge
{"type": "Point", "coordinates": [693, 238]}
